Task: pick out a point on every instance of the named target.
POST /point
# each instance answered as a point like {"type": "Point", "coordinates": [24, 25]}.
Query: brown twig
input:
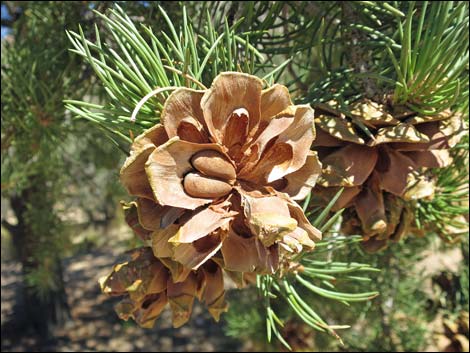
{"type": "Point", "coordinates": [358, 54]}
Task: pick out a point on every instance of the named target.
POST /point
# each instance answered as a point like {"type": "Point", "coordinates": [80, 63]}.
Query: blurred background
{"type": "Point", "coordinates": [63, 227]}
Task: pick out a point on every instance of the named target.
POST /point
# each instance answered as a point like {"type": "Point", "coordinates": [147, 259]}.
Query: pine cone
{"type": "Point", "coordinates": [381, 170]}
{"type": "Point", "coordinates": [216, 182]}
{"type": "Point", "coordinates": [149, 285]}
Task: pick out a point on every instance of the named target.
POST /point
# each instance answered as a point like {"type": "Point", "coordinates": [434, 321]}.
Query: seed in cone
{"type": "Point", "coordinates": [198, 185]}
{"type": "Point", "coordinates": [213, 164]}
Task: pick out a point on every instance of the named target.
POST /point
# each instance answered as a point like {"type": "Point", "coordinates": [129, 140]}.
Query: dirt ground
{"type": "Point", "coordinates": [94, 325]}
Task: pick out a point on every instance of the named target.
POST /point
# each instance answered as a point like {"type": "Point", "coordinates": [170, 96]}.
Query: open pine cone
{"type": "Point", "coordinates": [216, 183]}
{"type": "Point", "coordinates": [149, 286]}
{"type": "Point", "coordinates": [382, 170]}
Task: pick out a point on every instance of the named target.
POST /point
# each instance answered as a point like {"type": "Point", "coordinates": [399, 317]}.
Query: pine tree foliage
{"type": "Point", "coordinates": [48, 166]}
{"type": "Point", "coordinates": [36, 75]}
